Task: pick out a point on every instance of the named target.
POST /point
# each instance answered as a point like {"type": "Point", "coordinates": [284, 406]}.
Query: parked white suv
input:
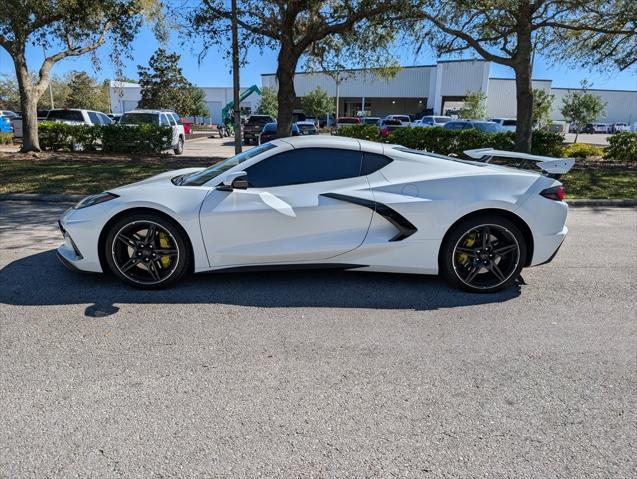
{"type": "Point", "coordinates": [619, 127]}
{"type": "Point", "coordinates": [78, 116]}
{"type": "Point", "coordinates": [159, 117]}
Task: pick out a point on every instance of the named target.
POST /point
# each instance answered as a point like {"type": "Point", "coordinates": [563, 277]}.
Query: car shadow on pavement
{"type": "Point", "coordinates": [40, 280]}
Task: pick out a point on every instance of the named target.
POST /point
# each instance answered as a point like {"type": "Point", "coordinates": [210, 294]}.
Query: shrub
{"type": "Point", "coordinates": [136, 138]}
{"type": "Point", "coordinates": [622, 147]}
{"type": "Point", "coordinates": [547, 143]}
{"type": "Point", "coordinates": [446, 142]}
{"type": "Point", "coordinates": [6, 138]}
{"type": "Point", "coordinates": [582, 150]}
{"type": "Point", "coordinates": [361, 132]}
{"type": "Point", "coordinates": [111, 138]}
{"type": "Point", "coordinates": [62, 136]}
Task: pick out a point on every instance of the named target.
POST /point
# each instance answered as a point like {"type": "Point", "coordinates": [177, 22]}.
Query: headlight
{"type": "Point", "coordinates": [95, 200]}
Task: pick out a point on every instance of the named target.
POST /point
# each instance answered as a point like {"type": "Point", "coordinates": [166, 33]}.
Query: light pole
{"type": "Point", "coordinates": [235, 79]}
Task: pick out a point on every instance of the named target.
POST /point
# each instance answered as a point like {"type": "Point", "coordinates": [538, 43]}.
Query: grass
{"type": "Point", "coordinates": [90, 175]}
{"type": "Point", "coordinates": [81, 176]}
{"type": "Point", "coordinates": [601, 183]}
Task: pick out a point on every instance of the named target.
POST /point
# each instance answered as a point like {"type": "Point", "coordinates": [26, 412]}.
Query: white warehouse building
{"type": "Point", "coordinates": [429, 89]}
{"type": "Point", "coordinates": [436, 89]}
{"type": "Point", "coordinates": [125, 96]}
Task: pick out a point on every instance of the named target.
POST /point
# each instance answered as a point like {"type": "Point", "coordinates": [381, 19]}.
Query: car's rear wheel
{"type": "Point", "coordinates": [179, 149]}
{"type": "Point", "coordinates": [483, 254]}
{"type": "Point", "coordinates": [147, 251]}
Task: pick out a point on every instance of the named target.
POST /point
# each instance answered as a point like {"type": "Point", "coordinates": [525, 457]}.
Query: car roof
{"type": "Point", "coordinates": [154, 112]}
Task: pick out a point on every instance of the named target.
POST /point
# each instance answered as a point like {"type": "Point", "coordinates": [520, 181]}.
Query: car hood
{"type": "Point", "coordinates": [164, 177]}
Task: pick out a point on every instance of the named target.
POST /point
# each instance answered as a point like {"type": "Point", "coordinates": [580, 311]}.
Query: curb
{"type": "Point", "coordinates": [602, 203]}
{"type": "Point", "coordinates": [76, 198]}
{"type": "Point", "coordinates": [41, 197]}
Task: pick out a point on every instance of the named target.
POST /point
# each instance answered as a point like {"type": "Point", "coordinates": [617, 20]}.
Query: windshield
{"type": "Point", "coordinates": [139, 119]}
{"type": "Point", "coordinates": [206, 175]}
{"type": "Point", "coordinates": [259, 119]}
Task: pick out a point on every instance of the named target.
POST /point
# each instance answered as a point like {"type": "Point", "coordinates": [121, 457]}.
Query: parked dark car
{"type": "Point", "coordinates": [268, 132]}
{"type": "Point", "coordinates": [252, 128]}
{"type": "Point", "coordinates": [484, 126]}
{"type": "Point", "coordinates": [387, 126]}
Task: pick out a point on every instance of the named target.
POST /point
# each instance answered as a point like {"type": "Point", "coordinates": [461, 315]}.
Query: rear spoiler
{"type": "Point", "coordinates": [555, 167]}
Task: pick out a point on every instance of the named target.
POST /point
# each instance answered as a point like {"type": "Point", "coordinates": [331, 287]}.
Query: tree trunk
{"type": "Point", "coordinates": [29, 105]}
{"type": "Point", "coordinates": [524, 97]}
{"type": "Point", "coordinates": [286, 95]}
{"type": "Point", "coordinates": [523, 84]}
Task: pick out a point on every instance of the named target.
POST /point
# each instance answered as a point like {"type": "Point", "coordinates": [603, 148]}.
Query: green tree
{"type": "Point", "coordinates": [290, 27]}
{"type": "Point", "coordinates": [85, 92]}
{"type": "Point", "coordinates": [163, 84]}
{"type": "Point", "coordinates": [317, 103]}
{"type": "Point", "coordinates": [508, 32]}
{"type": "Point", "coordinates": [475, 106]}
{"type": "Point", "coordinates": [542, 107]}
{"type": "Point", "coordinates": [69, 28]}
{"type": "Point", "coordinates": [582, 107]}
{"type": "Point", "coordinates": [9, 95]}
{"type": "Point", "coordinates": [269, 103]}
{"type": "Point", "coordinates": [198, 100]}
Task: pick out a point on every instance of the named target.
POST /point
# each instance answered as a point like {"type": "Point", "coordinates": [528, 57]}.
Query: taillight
{"type": "Point", "coordinates": [555, 193]}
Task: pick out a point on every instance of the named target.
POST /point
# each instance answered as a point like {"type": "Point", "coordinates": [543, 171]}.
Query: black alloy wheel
{"type": "Point", "coordinates": [147, 251]}
{"type": "Point", "coordinates": [483, 254]}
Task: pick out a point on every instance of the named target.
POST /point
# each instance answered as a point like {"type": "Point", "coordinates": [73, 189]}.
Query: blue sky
{"type": "Point", "coordinates": [214, 70]}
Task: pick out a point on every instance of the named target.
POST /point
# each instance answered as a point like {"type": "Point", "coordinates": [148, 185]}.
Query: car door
{"type": "Point", "coordinates": [284, 216]}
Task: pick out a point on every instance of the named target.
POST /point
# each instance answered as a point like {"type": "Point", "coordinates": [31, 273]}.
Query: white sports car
{"type": "Point", "coordinates": [327, 202]}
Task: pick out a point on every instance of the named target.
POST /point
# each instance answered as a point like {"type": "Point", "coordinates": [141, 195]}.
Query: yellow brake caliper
{"type": "Point", "coordinates": [164, 243]}
{"type": "Point", "coordinates": [463, 258]}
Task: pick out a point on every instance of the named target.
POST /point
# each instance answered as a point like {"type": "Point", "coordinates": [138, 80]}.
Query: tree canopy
{"type": "Point", "coordinates": [290, 27]}
{"type": "Point", "coordinates": [163, 85]}
{"type": "Point", "coordinates": [64, 28]}
{"type": "Point", "coordinates": [509, 32]}
{"type": "Point", "coordinates": [269, 105]}
{"type": "Point", "coordinates": [475, 106]}
{"type": "Point", "coordinates": [317, 103]}
{"type": "Point", "coordinates": [582, 107]}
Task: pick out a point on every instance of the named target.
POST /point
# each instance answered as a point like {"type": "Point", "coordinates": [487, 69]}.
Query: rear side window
{"type": "Point", "coordinates": [105, 119]}
{"type": "Point", "coordinates": [305, 165]}
{"type": "Point", "coordinates": [94, 118]}
{"type": "Point", "coordinates": [373, 162]}
{"type": "Point", "coordinates": [68, 115]}
{"type": "Point", "coordinates": [177, 119]}
{"type": "Point", "coordinates": [163, 120]}
{"type": "Point", "coordinates": [138, 119]}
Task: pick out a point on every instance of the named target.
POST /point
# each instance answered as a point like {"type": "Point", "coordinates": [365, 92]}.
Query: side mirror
{"type": "Point", "coordinates": [235, 181]}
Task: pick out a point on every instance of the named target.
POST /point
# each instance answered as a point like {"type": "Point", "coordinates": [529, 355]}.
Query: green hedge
{"type": "Point", "coordinates": [622, 147]}
{"type": "Point", "coordinates": [6, 138]}
{"type": "Point", "coordinates": [109, 138]}
{"type": "Point", "coordinates": [445, 142]}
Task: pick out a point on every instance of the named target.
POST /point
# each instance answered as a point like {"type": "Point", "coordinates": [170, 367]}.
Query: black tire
{"type": "Point", "coordinates": [179, 149]}
{"type": "Point", "coordinates": [137, 260]}
{"type": "Point", "coordinates": [491, 265]}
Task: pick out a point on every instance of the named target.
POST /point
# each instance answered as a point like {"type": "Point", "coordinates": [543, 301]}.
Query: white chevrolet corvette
{"type": "Point", "coordinates": [327, 202]}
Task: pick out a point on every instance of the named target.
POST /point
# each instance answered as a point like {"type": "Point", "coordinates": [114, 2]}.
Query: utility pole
{"type": "Point", "coordinates": [235, 79]}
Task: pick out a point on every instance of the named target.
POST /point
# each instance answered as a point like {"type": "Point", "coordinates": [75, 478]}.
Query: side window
{"type": "Point", "coordinates": [305, 165]}
{"type": "Point", "coordinates": [105, 119]}
{"type": "Point", "coordinates": [94, 118]}
{"type": "Point", "coordinates": [171, 119]}
{"type": "Point", "coordinates": [373, 162]}
{"type": "Point", "coordinates": [163, 120]}
{"type": "Point", "coordinates": [176, 117]}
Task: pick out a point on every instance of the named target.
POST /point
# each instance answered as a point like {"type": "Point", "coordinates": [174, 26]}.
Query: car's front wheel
{"type": "Point", "coordinates": [179, 149]}
{"type": "Point", "coordinates": [147, 251]}
{"type": "Point", "coordinates": [483, 254]}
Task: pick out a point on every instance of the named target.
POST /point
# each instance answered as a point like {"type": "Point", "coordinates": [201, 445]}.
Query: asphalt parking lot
{"type": "Point", "coordinates": [319, 374]}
